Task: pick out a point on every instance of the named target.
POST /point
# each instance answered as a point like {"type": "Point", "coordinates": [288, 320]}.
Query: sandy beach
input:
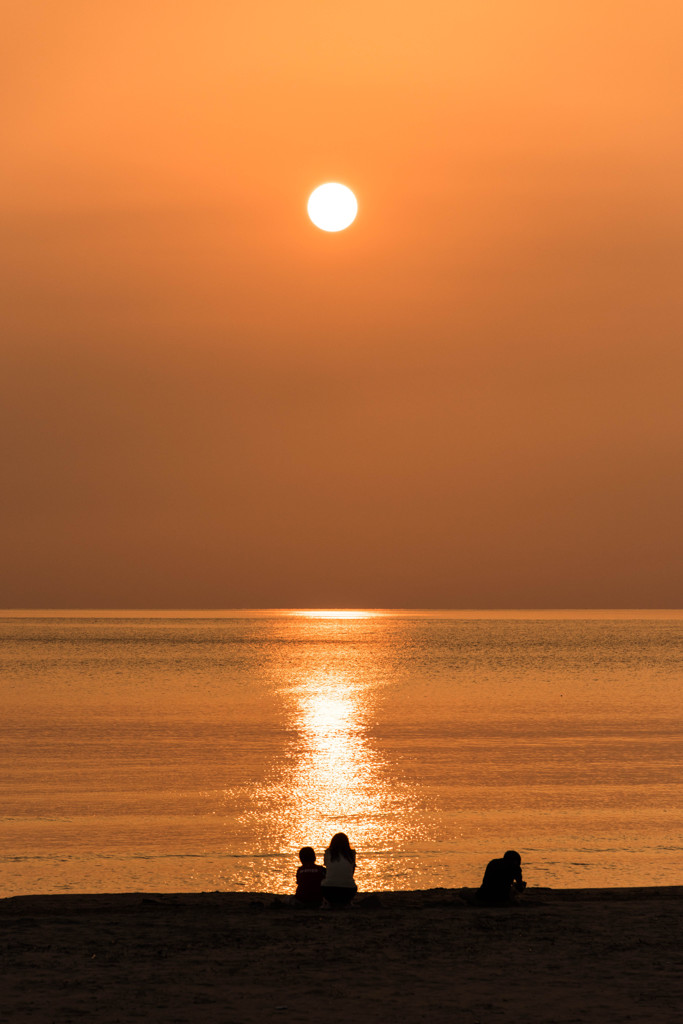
{"type": "Point", "coordinates": [598, 955]}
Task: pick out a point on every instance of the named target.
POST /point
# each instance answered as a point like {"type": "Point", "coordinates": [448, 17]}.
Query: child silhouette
{"type": "Point", "coordinates": [308, 879]}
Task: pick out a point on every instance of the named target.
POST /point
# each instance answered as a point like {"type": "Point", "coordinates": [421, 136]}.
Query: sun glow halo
{"type": "Point", "coordinates": [332, 207]}
{"type": "Point", "coordinates": [334, 613]}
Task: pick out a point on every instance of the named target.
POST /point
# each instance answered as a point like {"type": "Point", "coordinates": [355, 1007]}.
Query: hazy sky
{"type": "Point", "coordinates": [471, 398]}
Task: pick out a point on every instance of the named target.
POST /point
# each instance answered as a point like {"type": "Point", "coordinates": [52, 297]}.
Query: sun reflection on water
{"type": "Point", "coordinates": [338, 784]}
{"type": "Point", "coordinates": [334, 778]}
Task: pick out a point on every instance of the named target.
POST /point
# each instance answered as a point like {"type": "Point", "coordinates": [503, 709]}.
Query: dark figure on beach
{"type": "Point", "coordinates": [308, 880]}
{"type": "Point", "coordinates": [338, 887]}
{"type": "Point", "coordinates": [502, 880]}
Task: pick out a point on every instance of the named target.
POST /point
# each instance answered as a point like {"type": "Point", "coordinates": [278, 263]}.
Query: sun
{"type": "Point", "coordinates": [332, 207]}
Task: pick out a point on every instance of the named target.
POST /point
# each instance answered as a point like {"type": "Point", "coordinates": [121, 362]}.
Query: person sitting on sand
{"type": "Point", "coordinates": [308, 879]}
{"type": "Point", "coordinates": [502, 880]}
{"type": "Point", "coordinates": [338, 887]}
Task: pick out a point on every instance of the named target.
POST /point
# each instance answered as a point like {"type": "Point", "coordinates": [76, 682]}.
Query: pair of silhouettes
{"type": "Point", "coordinates": [333, 882]}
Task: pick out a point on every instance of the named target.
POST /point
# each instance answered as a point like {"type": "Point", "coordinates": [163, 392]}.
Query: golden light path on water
{"type": "Point", "coordinates": [335, 780]}
{"type": "Point", "coordinates": [337, 783]}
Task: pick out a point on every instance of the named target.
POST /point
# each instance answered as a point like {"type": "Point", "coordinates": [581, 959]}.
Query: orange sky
{"type": "Point", "coordinates": [471, 398]}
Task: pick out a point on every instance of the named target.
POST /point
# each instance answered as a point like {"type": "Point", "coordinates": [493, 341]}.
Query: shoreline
{"type": "Point", "coordinates": [560, 955]}
{"type": "Point", "coordinates": [531, 895]}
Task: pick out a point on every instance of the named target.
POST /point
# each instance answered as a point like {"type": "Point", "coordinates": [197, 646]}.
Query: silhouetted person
{"type": "Point", "coordinates": [338, 887]}
{"type": "Point", "coordinates": [502, 880]}
{"type": "Point", "coordinates": [308, 879]}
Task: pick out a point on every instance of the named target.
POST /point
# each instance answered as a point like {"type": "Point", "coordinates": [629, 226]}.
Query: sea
{"type": "Point", "coordinates": [199, 751]}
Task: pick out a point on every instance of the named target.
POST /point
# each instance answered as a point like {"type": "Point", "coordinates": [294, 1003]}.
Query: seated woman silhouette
{"type": "Point", "coordinates": [338, 886]}
{"type": "Point", "coordinates": [502, 880]}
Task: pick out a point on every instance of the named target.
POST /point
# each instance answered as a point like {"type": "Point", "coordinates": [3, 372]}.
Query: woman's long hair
{"type": "Point", "coordinates": [340, 847]}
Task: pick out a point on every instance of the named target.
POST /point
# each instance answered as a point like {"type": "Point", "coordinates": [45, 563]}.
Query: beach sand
{"type": "Point", "coordinates": [599, 955]}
